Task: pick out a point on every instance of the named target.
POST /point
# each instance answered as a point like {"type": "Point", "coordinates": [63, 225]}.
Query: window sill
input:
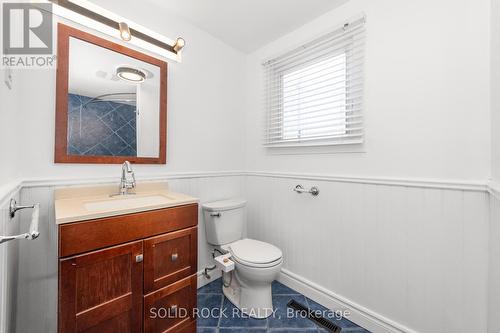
{"type": "Point", "coordinates": [316, 148]}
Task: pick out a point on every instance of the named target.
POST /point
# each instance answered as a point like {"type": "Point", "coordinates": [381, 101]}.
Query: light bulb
{"type": "Point", "coordinates": [125, 31]}
{"type": "Point", "coordinates": [179, 44]}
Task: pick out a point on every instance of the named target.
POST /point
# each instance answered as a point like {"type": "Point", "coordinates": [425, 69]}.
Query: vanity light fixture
{"type": "Point", "coordinates": [130, 74]}
{"type": "Point", "coordinates": [179, 44]}
{"type": "Point", "coordinates": [124, 31]}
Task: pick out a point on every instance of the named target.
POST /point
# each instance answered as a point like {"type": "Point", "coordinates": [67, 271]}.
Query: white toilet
{"type": "Point", "coordinates": [257, 264]}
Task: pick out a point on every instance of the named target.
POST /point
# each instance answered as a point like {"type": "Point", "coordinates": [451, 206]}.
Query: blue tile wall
{"type": "Point", "coordinates": [101, 129]}
{"type": "Point", "coordinates": [223, 321]}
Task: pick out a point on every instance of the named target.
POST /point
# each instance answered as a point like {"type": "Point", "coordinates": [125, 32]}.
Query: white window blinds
{"type": "Point", "coordinates": [314, 94]}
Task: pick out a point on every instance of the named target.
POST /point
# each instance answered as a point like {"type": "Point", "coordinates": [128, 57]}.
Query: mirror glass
{"type": "Point", "coordinates": [113, 103]}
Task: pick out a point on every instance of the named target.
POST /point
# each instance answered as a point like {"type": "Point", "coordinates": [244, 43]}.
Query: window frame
{"type": "Point", "coordinates": [354, 132]}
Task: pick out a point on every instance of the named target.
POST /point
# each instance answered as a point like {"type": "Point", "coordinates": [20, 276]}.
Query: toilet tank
{"type": "Point", "coordinates": [224, 220]}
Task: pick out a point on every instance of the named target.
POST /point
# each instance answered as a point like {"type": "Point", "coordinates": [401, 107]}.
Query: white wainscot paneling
{"type": "Point", "coordinates": [494, 278]}
{"type": "Point", "coordinates": [9, 254]}
{"type": "Point", "coordinates": [37, 287]}
{"type": "Point", "coordinates": [418, 256]}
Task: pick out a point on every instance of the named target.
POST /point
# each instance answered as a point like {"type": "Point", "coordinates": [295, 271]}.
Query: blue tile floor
{"type": "Point", "coordinates": [216, 314]}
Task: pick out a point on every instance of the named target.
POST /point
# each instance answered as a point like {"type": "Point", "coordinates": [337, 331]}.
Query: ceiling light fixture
{"type": "Point", "coordinates": [130, 74]}
{"type": "Point", "coordinates": [179, 44]}
{"type": "Point", "coordinates": [124, 31]}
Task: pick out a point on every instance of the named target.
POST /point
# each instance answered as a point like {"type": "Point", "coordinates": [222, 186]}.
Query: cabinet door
{"type": "Point", "coordinates": [169, 258]}
{"type": "Point", "coordinates": [171, 309]}
{"type": "Point", "coordinates": [101, 291]}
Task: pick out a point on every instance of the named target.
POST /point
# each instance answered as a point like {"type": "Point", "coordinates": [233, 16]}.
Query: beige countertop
{"type": "Point", "coordinates": [74, 204]}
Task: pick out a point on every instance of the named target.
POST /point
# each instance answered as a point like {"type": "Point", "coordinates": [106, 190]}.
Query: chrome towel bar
{"type": "Point", "coordinates": [14, 207]}
{"type": "Point", "coordinates": [314, 191]}
{"type": "Point", "coordinates": [33, 232]}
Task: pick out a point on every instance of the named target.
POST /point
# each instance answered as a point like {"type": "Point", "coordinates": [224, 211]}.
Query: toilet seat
{"type": "Point", "coordinates": [254, 253]}
{"type": "Point", "coordinates": [254, 265]}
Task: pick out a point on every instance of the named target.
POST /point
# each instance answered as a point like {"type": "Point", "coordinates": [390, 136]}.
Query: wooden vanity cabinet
{"type": "Point", "coordinates": [140, 278]}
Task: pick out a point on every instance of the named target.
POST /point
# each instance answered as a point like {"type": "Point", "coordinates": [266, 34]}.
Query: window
{"type": "Point", "coordinates": [314, 93]}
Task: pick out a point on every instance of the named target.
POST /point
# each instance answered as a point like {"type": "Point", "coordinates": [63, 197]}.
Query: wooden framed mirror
{"type": "Point", "coordinates": [111, 102]}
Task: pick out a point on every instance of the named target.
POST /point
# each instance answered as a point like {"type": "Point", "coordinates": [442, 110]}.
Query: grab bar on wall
{"type": "Point", "coordinates": [33, 232]}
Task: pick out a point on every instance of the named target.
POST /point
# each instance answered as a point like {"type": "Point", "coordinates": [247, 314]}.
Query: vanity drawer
{"type": "Point", "coordinates": [81, 237]}
{"type": "Point", "coordinates": [169, 258]}
{"type": "Point", "coordinates": [170, 310]}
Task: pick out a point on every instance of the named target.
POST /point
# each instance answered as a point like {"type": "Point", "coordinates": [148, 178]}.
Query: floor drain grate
{"type": "Point", "coordinates": [314, 317]}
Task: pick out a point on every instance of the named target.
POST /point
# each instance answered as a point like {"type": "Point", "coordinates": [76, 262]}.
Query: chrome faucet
{"type": "Point", "coordinates": [127, 184]}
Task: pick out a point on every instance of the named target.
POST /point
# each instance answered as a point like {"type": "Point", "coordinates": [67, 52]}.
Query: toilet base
{"type": "Point", "coordinates": [255, 302]}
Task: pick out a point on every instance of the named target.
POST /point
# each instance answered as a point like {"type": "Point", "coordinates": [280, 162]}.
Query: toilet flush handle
{"type": "Point", "coordinates": [215, 214]}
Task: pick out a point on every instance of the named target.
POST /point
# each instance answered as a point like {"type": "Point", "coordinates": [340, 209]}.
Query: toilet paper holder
{"type": "Point", "coordinates": [33, 232]}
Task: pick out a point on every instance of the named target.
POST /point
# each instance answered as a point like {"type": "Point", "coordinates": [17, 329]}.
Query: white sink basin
{"type": "Point", "coordinates": [128, 202]}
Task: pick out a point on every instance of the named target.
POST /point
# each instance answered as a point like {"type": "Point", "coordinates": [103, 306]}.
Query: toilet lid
{"type": "Point", "coordinates": [254, 251]}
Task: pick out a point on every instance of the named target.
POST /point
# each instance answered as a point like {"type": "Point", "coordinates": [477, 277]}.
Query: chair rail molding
{"type": "Point", "coordinates": [9, 190]}
{"type": "Point", "coordinates": [462, 185]}
{"type": "Point", "coordinates": [44, 182]}
{"type": "Point", "coordinates": [494, 189]}
{"type": "Point", "coordinates": [448, 184]}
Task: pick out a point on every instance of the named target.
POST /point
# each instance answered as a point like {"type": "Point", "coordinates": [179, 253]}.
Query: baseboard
{"type": "Point", "coordinates": [202, 280]}
{"type": "Point", "coordinates": [362, 316]}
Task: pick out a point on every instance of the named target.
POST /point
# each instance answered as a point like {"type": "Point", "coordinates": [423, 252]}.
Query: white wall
{"type": "Point", "coordinates": [205, 134]}
{"type": "Point", "coordinates": [417, 256]}
{"type": "Point", "coordinates": [494, 276]}
{"type": "Point", "coordinates": [414, 259]}
{"type": "Point", "coordinates": [9, 172]}
{"type": "Point", "coordinates": [9, 150]}
{"type": "Point", "coordinates": [426, 99]}
{"type": "Point", "coordinates": [205, 122]}
{"type": "Point", "coordinates": [495, 89]}
{"type": "Point", "coordinates": [9, 126]}
{"type": "Point", "coordinates": [9, 265]}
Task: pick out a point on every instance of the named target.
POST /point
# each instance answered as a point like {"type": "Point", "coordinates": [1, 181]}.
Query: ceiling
{"type": "Point", "coordinates": [248, 25]}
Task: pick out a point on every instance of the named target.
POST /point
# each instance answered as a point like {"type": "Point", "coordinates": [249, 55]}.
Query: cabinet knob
{"type": "Point", "coordinates": [175, 256]}
{"type": "Point", "coordinates": [139, 258]}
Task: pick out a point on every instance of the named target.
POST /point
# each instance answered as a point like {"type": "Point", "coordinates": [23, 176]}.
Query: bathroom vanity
{"type": "Point", "coordinates": [126, 263]}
